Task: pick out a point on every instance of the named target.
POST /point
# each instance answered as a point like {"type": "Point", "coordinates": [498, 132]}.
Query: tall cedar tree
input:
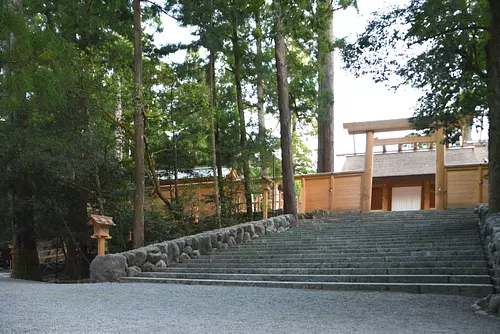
{"type": "Point", "coordinates": [138, 222]}
{"type": "Point", "coordinates": [325, 93]}
{"type": "Point", "coordinates": [290, 204]}
{"type": "Point", "coordinates": [26, 263]}
{"type": "Point", "coordinates": [493, 68]}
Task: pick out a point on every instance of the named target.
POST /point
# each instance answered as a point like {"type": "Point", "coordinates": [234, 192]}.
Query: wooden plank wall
{"type": "Point", "coordinates": [484, 186]}
{"type": "Point", "coordinates": [466, 186]}
{"type": "Point", "coordinates": [347, 193]}
{"type": "Point", "coordinates": [330, 192]}
{"type": "Point", "coordinates": [317, 193]}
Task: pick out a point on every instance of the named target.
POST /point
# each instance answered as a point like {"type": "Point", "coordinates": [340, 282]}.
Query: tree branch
{"type": "Point", "coordinates": [442, 33]}
{"type": "Point", "coordinates": [161, 9]}
{"type": "Point", "coordinates": [156, 181]}
{"type": "Point", "coordinates": [150, 160]}
{"type": "Point", "coordinates": [251, 105]}
{"type": "Point", "coordinates": [120, 124]}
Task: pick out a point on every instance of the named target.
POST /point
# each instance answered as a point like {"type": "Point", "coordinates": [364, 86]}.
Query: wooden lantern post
{"type": "Point", "coordinates": [196, 214]}
{"type": "Point", "coordinates": [101, 226]}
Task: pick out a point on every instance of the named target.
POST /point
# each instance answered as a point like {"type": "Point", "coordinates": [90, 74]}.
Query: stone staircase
{"type": "Point", "coordinates": [415, 252]}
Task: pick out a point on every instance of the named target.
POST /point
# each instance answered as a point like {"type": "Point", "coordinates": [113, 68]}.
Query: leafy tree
{"type": "Point", "coordinates": [451, 52]}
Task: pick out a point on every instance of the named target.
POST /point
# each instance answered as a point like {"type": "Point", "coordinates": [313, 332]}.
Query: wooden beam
{"type": "Point", "coordinates": [378, 126]}
{"type": "Point", "coordinates": [366, 195]}
{"type": "Point", "coordinates": [427, 196]}
{"type": "Point", "coordinates": [385, 198]}
{"type": "Point", "coordinates": [405, 140]}
{"type": "Point", "coordinates": [440, 171]}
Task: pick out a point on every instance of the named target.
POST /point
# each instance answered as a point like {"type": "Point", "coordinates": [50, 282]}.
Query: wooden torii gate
{"type": "Point", "coordinates": [369, 128]}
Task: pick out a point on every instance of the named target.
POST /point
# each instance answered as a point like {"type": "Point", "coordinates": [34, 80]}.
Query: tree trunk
{"type": "Point", "coordinates": [260, 98]}
{"type": "Point", "coordinates": [494, 108]}
{"type": "Point", "coordinates": [176, 172]}
{"type": "Point", "coordinates": [138, 222]}
{"type": "Point", "coordinates": [241, 114]}
{"type": "Point", "coordinates": [77, 266]}
{"type": "Point", "coordinates": [26, 264]}
{"type": "Point", "coordinates": [290, 205]}
{"type": "Point", "coordinates": [326, 99]}
{"type": "Point", "coordinates": [119, 118]}
{"type": "Point", "coordinates": [213, 107]}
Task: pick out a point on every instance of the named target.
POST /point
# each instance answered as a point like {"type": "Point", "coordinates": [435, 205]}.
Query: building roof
{"type": "Point", "coordinates": [416, 162]}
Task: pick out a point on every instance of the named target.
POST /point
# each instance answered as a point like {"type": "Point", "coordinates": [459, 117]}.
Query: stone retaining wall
{"type": "Point", "coordinates": [110, 267]}
{"type": "Point", "coordinates": [489, 224]}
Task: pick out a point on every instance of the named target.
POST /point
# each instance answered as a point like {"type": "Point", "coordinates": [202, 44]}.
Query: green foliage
{"type": "Point", "coordinates": [434, 45]}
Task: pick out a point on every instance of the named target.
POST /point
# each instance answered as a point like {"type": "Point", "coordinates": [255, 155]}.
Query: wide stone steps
{"type": "Point", "coordinates": [375, 244]}
{"type": "Point", "coordinates": [368, 237]}
{"type": "Point", "coordinates": [336, 264]}
{"type": "Point", "coordinates": [340, 255]}
{"type": "Point", "coordinates": [339, 259]}
{"type": "Point", "coordinates": [352, 252]}
{"type": "Point", "coordinates": [469, 279]}
{"type": "Point", "coordinates": [416, 252]}
{"type": "Point", "coordinates": [437, 288]}
{"type": "Point", "coordinates": [360, 242]}
{"type": "Point", "coordinates": [333, 271]}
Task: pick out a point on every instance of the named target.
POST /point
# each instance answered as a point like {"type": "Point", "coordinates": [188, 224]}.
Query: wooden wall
{"type": "Point", "coordinates": [330, 192]}
{"type": "Point", "coordinates": [347, 192]}
{"type": "Point", "coordinates": [340, 192]}
{"type": "Point", "coordinates": [466, 186]}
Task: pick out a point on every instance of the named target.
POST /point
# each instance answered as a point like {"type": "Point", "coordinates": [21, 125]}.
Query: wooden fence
{"type": "Point", "coordinates": [333, 192]}
{"type": "Point", "coordinates": [467, 185]}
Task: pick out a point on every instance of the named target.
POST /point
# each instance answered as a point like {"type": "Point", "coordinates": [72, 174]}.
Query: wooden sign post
{"type": "Point", "coordinates": [101, 231]}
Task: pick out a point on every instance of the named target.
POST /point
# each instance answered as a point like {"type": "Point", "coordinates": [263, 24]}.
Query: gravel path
{"type": "Point", "coordinates": [149, 308]}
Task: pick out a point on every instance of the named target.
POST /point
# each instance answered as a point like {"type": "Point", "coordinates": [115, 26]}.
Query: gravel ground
{"type": "Point", "coordinates": [163, 308]}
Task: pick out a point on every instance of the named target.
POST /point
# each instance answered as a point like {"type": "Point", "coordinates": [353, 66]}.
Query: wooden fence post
{"type": "Point", "coordinates": [265, 206]}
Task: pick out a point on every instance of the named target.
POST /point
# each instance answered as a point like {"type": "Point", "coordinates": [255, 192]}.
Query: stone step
{"type": "Point", "coordinates": [370, 217]}
{"type": "Point", "coordinates": [392, 217]}
{"type": "Point", "coordinates": [386, 220]}
{"type": "Point", "coordinates": [370, 231]}
{"type": "Point", "coordinates": [468, 279]}
{"type": "Point", "coordinates": [384, 228]}
{"type": "Point", "coordinates": [260, 242]}
{"type": "Point", "coordinates": [338, 259]}
{"type": "Point", "coordinates": [373, 233]}
{"type": "Point", "coordinates": [335, 271]}
{"type": "Point", "coordinates": [354, 252]}
{"type": "Point", "coordinates": [475, 290]}
{"type": "Point", "coordinates": [401, 223]}
{"type": "Point", "coordinates": [374, 236]}
{"type": "Point", "coordinates": [329, 255]}
{"type": "Point", "coordinates": [332, 264]}
{"type": "Point", "coordinates": [330, 245]}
